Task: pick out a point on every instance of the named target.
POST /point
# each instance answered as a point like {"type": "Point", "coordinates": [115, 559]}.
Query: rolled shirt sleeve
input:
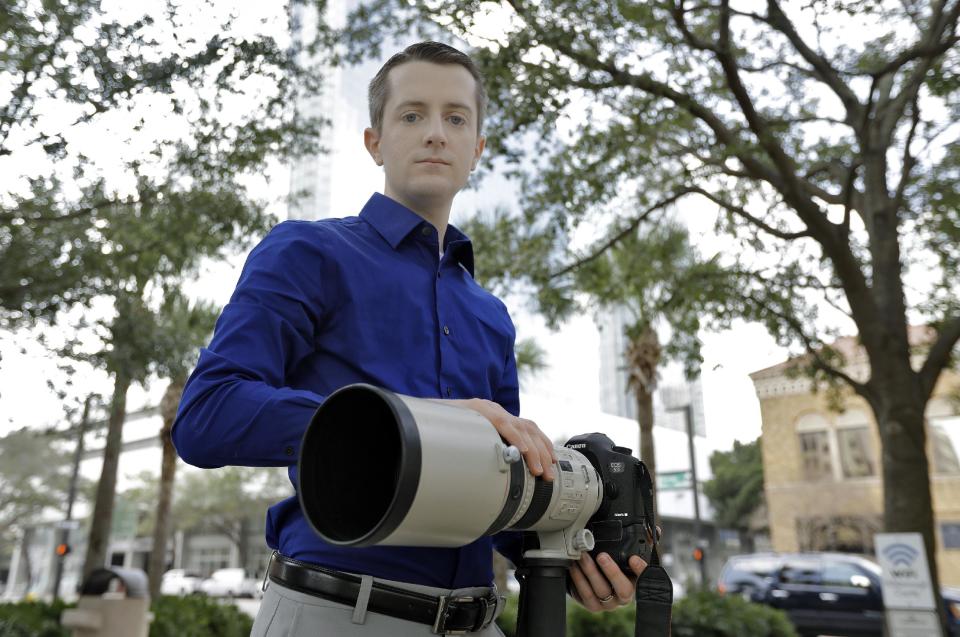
{"type": "Point", "coordinates": [235, 409]}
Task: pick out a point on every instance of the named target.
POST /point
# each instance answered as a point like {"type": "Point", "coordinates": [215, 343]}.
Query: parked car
{"type": "Point", "coordinates": [230, 582]}
{"type": "Point", "coordinates": [179, 582]}
{"type": "Point", "coordinates": [822, 593]}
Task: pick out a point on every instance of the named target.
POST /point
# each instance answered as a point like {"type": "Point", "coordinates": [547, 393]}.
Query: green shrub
{"type": "Point", "coordinates": [32, 619]}
{"type": "Point", "coordinates": [580, 621]}
{"type": "Point", "coordinates": [709, 614]}
{"type": "Point", "coordinates": [507, 621]}
{"type": "Point", "coordinates": [172, 617]}
{"type": "Point", "coordinates": [584, 623]}
{"type": "Point", "coordinates": [701, 614]}
{"type": "Point", "coordinates": [198, 616]}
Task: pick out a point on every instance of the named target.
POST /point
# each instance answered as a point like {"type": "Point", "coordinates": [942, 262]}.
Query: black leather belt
{"type": "Point", "coordinates": [451, 615]}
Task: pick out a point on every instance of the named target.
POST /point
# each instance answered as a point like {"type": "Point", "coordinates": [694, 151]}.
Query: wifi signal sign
{"type": "Point", "coordinates": [901, 554]}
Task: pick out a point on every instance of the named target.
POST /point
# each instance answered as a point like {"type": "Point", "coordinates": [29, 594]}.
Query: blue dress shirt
{"type": "Point", "coordinates": [324, 304]}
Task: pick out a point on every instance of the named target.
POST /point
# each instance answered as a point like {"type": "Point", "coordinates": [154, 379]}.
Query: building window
{"type": "Point", "coordinates": [815, 451]}
{"type": "Point", "coordinates": [950, 533]}
{"type": "Point", "coordinates": [945, 445]}
{"type": "Point", "coordinates": [856, 452]}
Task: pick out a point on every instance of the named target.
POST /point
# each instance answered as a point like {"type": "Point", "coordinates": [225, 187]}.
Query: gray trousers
{"type": "Point", "coordinates": [288, 613]}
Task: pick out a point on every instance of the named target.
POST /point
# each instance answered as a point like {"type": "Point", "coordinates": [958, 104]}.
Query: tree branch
{"type": "Point", "coordinates": [930, 46]}
{"type": "Point", "coordinates": [793, 189]}
{"type": "Point", "coordinates": [813, 351]}
{"type": "Point", "coordinates": [619, 236]}
{"type": "Point", "coordinates": [648, 84]}
{"type": "Point", "coordinates": [777, 19]}
{"type": "Point", "coordinates": [891, 110]}
{"type": "Point", "coordinates": [756, 221]}
{"type": "Point", "coordinates": [940, 355]}
{"type": "Point", "coordinates": [909, 161]}
{"type": "Point", "coordinates": [679, 18]}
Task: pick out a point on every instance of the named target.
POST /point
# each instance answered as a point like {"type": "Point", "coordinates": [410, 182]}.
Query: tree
{"type": "Point", "coordinates": [34, 476]}
{"type": "Point", "coordinates": [225, 500]}
{"type": "Point", "coordinates": [831, 161]}
{"type": "Point", "coordinates": [736, 489]}
{"type": "Point", "coordinates": [657, 278]}
{"type": "Point", "coordinates": [187, 328]}
{"type": "Point", "coordinates": [127, 235]}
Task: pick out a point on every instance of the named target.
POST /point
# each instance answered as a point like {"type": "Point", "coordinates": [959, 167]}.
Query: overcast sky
{"type": "Point", "coordinates": [571, 381]}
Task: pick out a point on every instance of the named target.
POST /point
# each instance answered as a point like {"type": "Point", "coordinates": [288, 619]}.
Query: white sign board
{"type": "Point", "coordinates": [906, 578]}
{"type": "Point", "coordinates": [913, 623]}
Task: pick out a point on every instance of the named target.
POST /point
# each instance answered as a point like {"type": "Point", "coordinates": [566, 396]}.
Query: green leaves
{"type": "Point", "coordinates": [707, 614]}
{"type": "Point", "coordinates": [34, 476]}
{"type": "Point", "coordinates": [736, 489]}
{"type": "Point", "coordinates": [220, 499]}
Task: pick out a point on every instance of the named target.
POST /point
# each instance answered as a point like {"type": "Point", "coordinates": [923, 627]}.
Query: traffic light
{"type": "Point", "coordinates": [62, 549]}
{"type": "Point", "coordinates": [698, 554]}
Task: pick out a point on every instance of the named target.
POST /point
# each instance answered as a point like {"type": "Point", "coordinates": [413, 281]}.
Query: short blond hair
{"type": "Point", "coordinates": [435, 52]}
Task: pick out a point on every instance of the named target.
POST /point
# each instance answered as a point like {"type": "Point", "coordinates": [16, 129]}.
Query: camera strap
{"type": "Point", "coordinates": [654, 588]}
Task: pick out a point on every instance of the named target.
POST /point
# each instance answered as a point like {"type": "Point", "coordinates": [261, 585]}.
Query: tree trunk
{"type": "Point", "coordinates": [645, 420]}
{"type": "Point", "coordinates": [27, 567]}
{"type": "Point", "coordinates": [168, 467]}
{"type": "Point", "coordinates": [907, 497]}
{"type": "Point", "coordinates": [102, 516]}
{"type": "Point", "coordinates": [243, 544]}
{"type": "Point", "coordinates": [647, 452]}
{"type": "Point", "coordinates": [747, 543]}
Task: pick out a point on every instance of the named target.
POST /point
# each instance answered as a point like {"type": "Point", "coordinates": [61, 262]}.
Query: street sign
{"type": "Point", "coordinates": [913, 623]}
{"type": "Point", "coordinates": [906, 578]}
{"type": "Point", "coordinates": [673, 480]}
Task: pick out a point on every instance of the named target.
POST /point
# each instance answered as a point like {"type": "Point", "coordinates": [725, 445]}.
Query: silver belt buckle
{"type": "Point", "coordinates": [440, 622]}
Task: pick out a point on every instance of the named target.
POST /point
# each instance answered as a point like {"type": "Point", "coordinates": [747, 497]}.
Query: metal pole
{"type": "Point", "coordinates": [688, 413]}
{"type": "Point", "coordinates": [72, 494]}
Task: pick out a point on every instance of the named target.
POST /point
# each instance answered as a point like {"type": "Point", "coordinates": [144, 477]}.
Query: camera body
{"type": "Point", "coordinates": [625, 522]}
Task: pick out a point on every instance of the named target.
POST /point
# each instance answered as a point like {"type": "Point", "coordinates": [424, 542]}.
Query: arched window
{"type": "Point", "coordinates": [855, 444]}
{"type": "Point", "coordinates": [814, 434]}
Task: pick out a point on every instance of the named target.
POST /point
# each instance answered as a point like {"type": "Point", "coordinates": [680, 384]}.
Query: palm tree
{"type": "Point", "coordinates": [182, 328]}
{"type": "Point", "coordinates": [666, 289]}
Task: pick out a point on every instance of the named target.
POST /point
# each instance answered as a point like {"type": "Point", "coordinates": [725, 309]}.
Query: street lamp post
{"type": "Point", "coordinates": [71, 497]}
{"type": "Point", "coordinates": [688, 417]}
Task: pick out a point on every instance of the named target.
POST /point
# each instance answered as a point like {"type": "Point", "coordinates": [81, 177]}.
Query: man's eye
{"type": "Point", "coordinates": [457, 120]}
{"type": "Point", "coordinates": [410, 117]}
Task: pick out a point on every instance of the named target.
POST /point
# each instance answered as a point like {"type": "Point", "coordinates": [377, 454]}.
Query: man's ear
{"type": "Point", "coordinates": [478, 150]}
{"type": "Point", "coordinates": [371, 139]}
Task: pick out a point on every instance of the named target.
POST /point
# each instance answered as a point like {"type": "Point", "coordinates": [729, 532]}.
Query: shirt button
{"type": "Point", "coordinates": [288, 451]}
{"type": "Point", "coordinates": [446, 330]}
{"type": "Point", "coordinates": [449, 392]}
{"type": "Point", "coordinates": [425, 231]}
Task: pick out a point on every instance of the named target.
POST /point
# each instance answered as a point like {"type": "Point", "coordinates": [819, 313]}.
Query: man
{"type": "Point", "coordinates": [387, 298]}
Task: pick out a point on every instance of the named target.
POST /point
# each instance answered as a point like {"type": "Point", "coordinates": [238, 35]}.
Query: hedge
{"type": "Point", "coordinates": [193, 616]}
{"type": "Point", "coordinates": [700, 614]}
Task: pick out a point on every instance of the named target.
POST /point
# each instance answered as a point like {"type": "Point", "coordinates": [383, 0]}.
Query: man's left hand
{"type": "Point", "coordinates": [604, 586]}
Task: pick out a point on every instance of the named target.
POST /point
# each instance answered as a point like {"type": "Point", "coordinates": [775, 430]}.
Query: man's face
{"type": "Point", "coordinates": [428, 142]}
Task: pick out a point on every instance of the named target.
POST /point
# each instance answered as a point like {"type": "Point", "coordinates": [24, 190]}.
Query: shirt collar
{"type": "Point", "coordinates": [394, 222]}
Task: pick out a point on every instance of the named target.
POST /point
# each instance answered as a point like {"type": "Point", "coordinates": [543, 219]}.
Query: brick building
{"type": "Point", "coordinates": [822, 466]}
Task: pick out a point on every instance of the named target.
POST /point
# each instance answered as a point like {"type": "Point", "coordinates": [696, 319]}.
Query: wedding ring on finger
{"type": "Point", "coordinates": [608, 598]}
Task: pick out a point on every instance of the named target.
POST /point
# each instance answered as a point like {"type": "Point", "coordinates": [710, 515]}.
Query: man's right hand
{"type": "Point", "coordinates": [525, 435]}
